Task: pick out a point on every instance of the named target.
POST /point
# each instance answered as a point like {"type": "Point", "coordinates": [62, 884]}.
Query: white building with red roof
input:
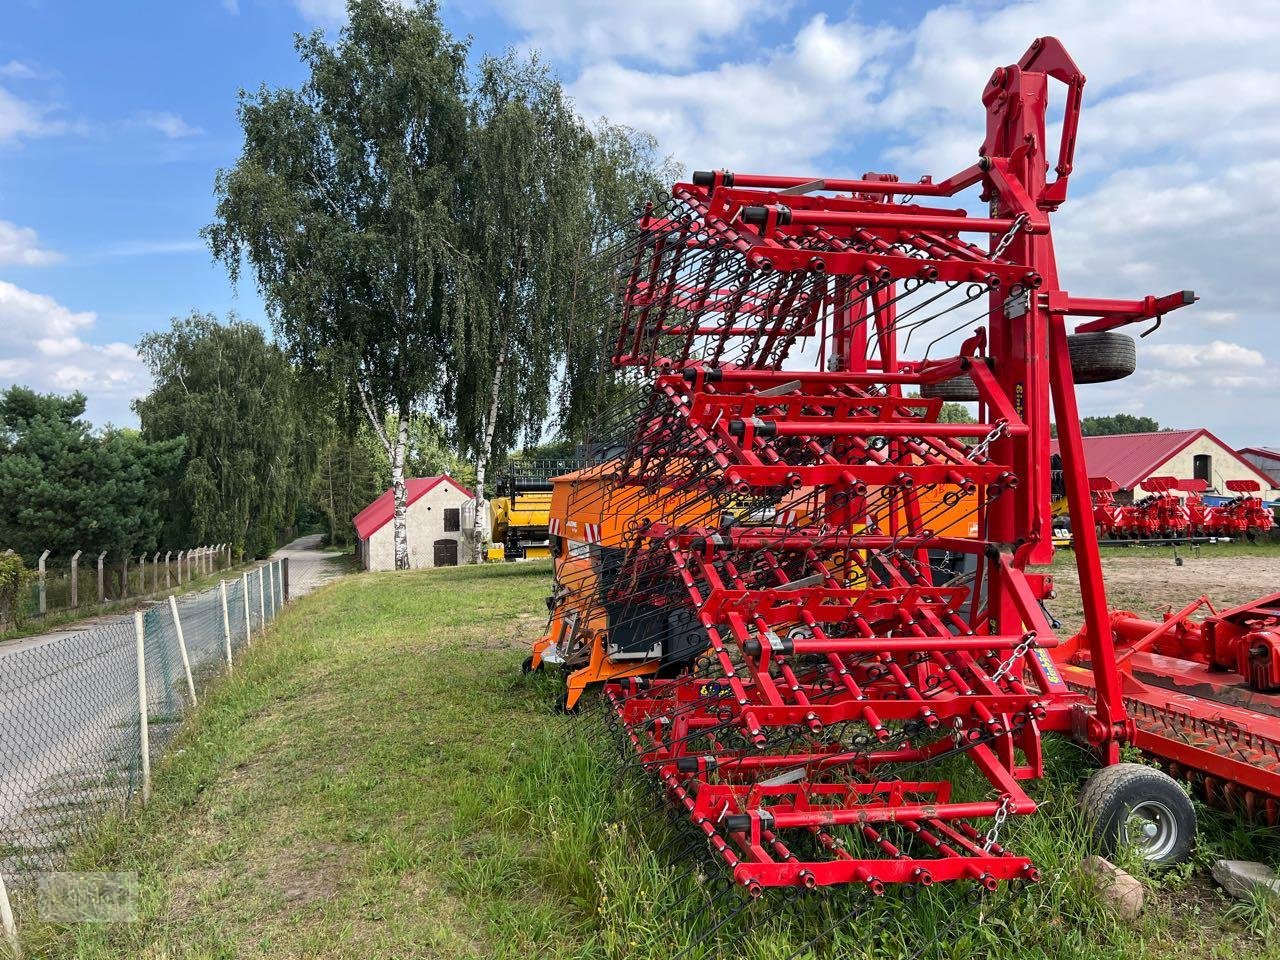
{"type": "Point", "coordinates": [437, 525]}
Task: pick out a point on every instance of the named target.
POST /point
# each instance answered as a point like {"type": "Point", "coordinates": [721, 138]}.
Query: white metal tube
{"type": "Point", "coordinates": [144, 736]}
{"type": "Point", "coordinates": [182, 646]}
{"type": "Point", "coordinates": [244, 589]}
{"type": "Point", "coordinates": [7, 922]}
{"type": "Point", "coordinates": [226, 622]}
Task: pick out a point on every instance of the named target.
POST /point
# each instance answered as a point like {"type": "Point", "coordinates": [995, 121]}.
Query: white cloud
{"type": "Point", "coordinates": [146, 248]}
{"type": "Point", "coordinates": [784, 110]}
{"type": "Point", "coordinates": [45, 346]}
{"type": "Point", "coordinates": [169, 124]}
{"type": "Point", "coordinates": [328, 12]}
{"type": "Point", "coordinates": [18, 118]}
{"type": "Point", "coordinates": [17, 70]}
{"type": "Point", "coordinates": [1217, 354]}
{"type": "Point", "coordinates": [19, 246]}
{"type": "Point", "coordinates": [668, 32]}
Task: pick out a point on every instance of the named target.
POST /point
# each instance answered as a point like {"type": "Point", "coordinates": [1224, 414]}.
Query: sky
{"type": "Point", "coordinates": [114, 119]}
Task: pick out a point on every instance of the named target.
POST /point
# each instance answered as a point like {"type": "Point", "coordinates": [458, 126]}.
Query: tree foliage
{"type": "Point", "coordinates": [427, 240]}
{"type": "Point", "coordinates": [64, 488]}
{"type": "Point", "coordinates": [250, 424]}
{"type": "Point", "coordinates": [344, 204]}
{"type": "Point", "coordinates": [348, 477]}
{"type": "Point", "coordinates": [1117, 423]}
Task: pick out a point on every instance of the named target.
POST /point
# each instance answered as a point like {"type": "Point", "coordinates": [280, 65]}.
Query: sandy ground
{"type": "Point", "coordinates": [1150, 582]}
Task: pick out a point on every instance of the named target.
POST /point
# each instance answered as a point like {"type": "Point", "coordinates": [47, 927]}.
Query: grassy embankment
{"type": "Point", "coordinates": [376, 779]}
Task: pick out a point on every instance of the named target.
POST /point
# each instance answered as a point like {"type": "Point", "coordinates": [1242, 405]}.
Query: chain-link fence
{"type": "Point", "coordinates": [74, 717]}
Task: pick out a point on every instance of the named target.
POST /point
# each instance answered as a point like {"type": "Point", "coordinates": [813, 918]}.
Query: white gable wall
{"type": "Point", "coordinates": [426, 526]}
{"type": "Point", "coordinates": [1225, 466]}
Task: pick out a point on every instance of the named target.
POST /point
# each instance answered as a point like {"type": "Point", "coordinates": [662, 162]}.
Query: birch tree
{"type": "Point", "coordinates": [541, 192]}
{"type": "Point", "coordinates": [344, 205]}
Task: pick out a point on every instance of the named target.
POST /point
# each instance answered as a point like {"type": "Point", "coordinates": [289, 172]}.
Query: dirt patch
{"type": "Point", "coordinates": [1151, 582]}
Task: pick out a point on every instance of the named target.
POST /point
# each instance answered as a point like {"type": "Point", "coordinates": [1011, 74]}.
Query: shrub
{"type": "Point", "coordinates": [15, 595]}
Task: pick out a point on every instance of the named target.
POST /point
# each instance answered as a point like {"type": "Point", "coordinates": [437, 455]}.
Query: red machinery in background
{"type": "Point", "coordinates": [838, 586]}
{"type": "Point", "coordinates": [1244, 514]}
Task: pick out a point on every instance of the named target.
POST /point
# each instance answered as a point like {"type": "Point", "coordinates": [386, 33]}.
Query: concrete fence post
{"type": "Point", "coordinates": [248, 626]}
{"type": "Point", "coordinates": [226, 622]}
{"type": "Point", "coordinates": [155, 572]}
{"type": "Point", "coordinates": [182, 647]}
{"type": "Point", "coordinates": [180, 554]}
{"type": "Point", "coordinates": [7, 922]}
{"type": "Point", "coordinates": [144, 736]}
{"type": "Point", "coordinates": [102, 583]}
{"type": "Point", "coordinates": [142, 573]}
{"type": "Point", "coordinates": [75, 579]}
{"type": "Point", "coordinates": [205, 558]}
{"type": "Point", "coordinates": [284, 578]}
{"type": "Point", "coordinates": [228, 552]}
{"type": "Point", "coordinates": [262, 599]}
{"type": "Point", "coordinates": [167, 581]}
{"type": "Point", "coordinates": [271, 589]}
{"type": "Point", "coordinates": [44, 599]}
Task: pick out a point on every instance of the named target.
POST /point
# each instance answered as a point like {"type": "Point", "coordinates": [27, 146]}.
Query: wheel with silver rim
{"type": "Point", "coordinates": [1132, 808]}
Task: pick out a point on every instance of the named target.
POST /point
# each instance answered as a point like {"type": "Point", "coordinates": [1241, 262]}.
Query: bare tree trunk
{"type": "Point", "coordinates": [395, 449]}
{"type": "Point", "coordinates": [400, 522]}
{"type": "Point", "coordinates": [480, 530]}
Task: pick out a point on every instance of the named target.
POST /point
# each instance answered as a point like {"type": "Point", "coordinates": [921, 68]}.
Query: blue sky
{"type": "Point", "coordinates": [115, 117]}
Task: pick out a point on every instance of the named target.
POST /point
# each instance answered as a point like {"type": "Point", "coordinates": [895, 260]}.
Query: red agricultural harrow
{"type": "Point", "coordinates": [822, 606]}
{"type": "Point", "coordinates": [1173, 509]}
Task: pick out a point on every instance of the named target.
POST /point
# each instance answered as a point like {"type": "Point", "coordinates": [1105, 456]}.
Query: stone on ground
{"type": "Point", "coordinates": [1124, 892]}
{"type": "Point", "coordinates": [1241, 878]}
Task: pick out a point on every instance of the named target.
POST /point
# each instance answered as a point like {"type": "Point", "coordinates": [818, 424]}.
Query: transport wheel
{"type": "Point", "coordinates": [1102, 357]}
{"type": "Point", "coordinates": [528, 667]}
{"type": "Point", "coordinates": [957, 389]}
{"type": "Point", "coordinates": [562, 705]}
{"type": "Point", "coordinates": [1135, 807]}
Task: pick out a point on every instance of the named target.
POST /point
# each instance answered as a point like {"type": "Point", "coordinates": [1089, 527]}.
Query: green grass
{"type": "Point", "coordinates": [377, 780]}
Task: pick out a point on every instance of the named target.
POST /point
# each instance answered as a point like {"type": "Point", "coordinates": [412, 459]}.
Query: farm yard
{"type": "Point", "coordinates": [378, 779]}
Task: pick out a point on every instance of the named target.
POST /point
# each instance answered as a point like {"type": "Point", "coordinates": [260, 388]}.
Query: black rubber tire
{"type": "Point", "coordinates": [956, 390]}
{"type": "Point", "coordinates": [1102, 357]}
{"type": "Point", "coordinates": [562, 705]}
{"type": "Point", "coordinates": [527, 666]}
{"type": "Point", "coordinates": [1116, 795]}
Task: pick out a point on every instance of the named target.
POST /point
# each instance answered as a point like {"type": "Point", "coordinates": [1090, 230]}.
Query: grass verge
{"type": "Point", "coordinates": [376, 779]}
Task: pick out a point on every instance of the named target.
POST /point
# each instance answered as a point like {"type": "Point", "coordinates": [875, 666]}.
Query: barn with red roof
{"type": "Point", "coordinates": [437, 525]}
{"type": "Point", "coordinates": [1130, 458]}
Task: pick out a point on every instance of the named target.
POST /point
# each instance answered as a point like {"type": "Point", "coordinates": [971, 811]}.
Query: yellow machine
{"type": "Point", "coordinates": [519, 524]}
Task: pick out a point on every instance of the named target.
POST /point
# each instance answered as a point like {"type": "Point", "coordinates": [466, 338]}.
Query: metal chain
{"type": "Point", "coordinates": [1008, 237]}
{"type": "Point", "coordinates": [993, 834]}
{"type": "Point", "coordinates": [980, 448]}
{"type": "Point", "coordinates": [1020, 650]}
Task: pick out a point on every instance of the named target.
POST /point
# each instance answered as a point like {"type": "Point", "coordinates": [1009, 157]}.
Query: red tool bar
{"type": "Point", "coordinates": [920, 221]}
{"type": "Point", "coordinates": [817, 427]}
{"type": "Point", "coordinates": [943, 188]}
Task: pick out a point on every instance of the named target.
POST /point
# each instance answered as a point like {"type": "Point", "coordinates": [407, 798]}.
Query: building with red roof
{"type": "Point", "coordinates": [437, 513]}
{"type": "Point", "coordinates": [1266, 459]}
{"type": "Point", "coordinates": [1130, 458]}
